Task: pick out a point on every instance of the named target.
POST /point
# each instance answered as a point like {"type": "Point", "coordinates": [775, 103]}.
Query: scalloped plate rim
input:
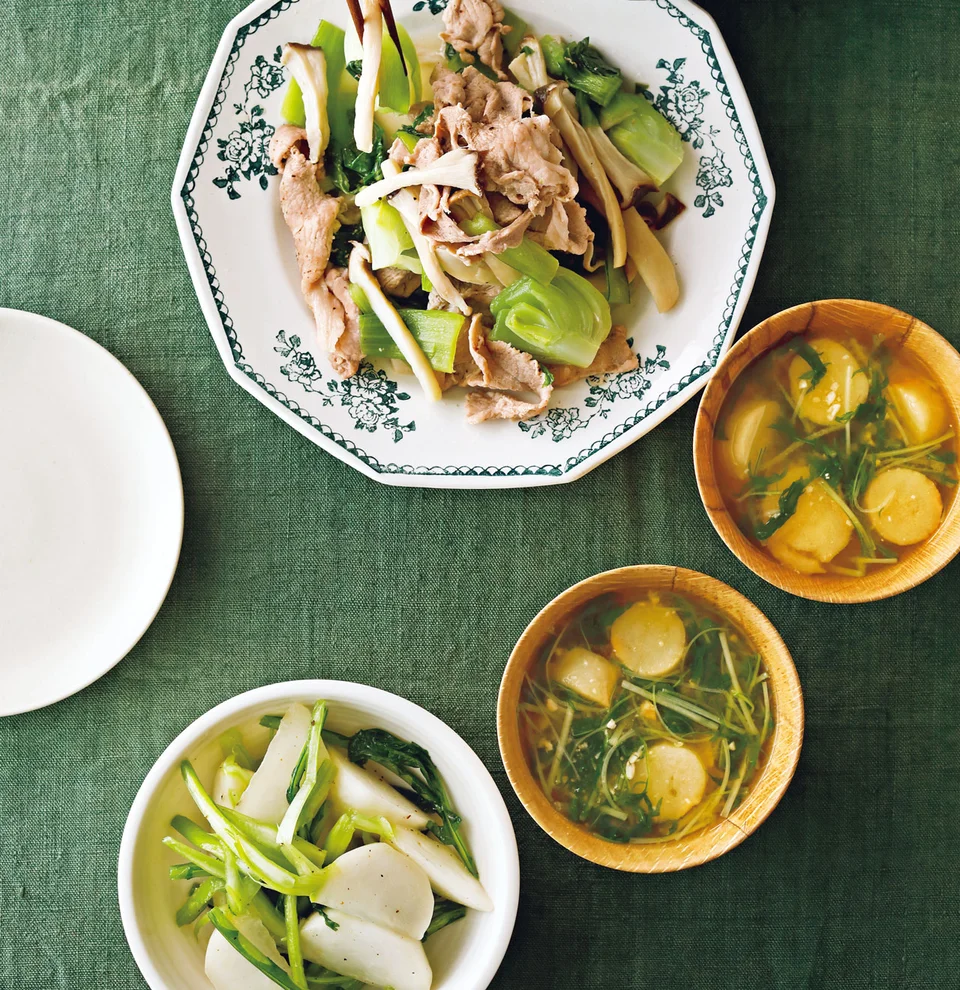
{"type": "Point", "coordinates": [425, 479]}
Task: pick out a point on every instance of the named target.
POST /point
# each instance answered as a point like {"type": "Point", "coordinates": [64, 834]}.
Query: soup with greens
{"type": "Point", "coordinates": [836, 453]}
{"type": "Point", "coordinates": [646, 718]}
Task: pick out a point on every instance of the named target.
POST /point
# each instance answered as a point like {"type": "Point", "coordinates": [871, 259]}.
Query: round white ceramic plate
{"type": "Point", "coordinates": [243, 265]}
{"type": "Point", "coordinates": [92, 511]}
{"type": "Point", "coordinates": [464, 956]}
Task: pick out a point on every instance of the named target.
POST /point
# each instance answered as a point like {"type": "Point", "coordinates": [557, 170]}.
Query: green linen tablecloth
{"type": "Point", "coordinates": [295, 566]}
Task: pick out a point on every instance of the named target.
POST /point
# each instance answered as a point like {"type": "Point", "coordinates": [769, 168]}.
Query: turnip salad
{"type": "Point", "coordinates": [474, 207]}
{"type": "Point", "coordinates": [327, 863]}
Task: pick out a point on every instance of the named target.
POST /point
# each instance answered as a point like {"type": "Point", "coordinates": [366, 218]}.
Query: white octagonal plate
{"type": "Point", "coordinates": [244, 268]}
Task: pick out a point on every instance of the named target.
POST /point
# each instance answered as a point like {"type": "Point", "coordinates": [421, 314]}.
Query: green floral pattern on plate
{"type": "Point", "coordinates": [682, 103]}
{"type": "Point", "coordinates": [246, 150]}
{"type": "Point", "coordinates": [604, 391]}
{"type": "Point", "coordinates": [369, 396]}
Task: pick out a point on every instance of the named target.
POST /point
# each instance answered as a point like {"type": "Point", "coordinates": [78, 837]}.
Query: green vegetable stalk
{"type": "Point", "coordinates": [435, 330]}
{"type": "Point", "coordinates": [564, 322]}
{"type": "Point", "coordinates": [224, 924]}
{"type": "Point", "coordinates": [197, 900]}
{"type": "Point", "coordinates": [643, 135]}
{"type": "Point", "coordinates": [528, 258]}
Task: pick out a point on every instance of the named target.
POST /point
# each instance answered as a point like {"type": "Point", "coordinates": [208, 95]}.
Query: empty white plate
{"type": "Point", "coordinates": [91, 511]}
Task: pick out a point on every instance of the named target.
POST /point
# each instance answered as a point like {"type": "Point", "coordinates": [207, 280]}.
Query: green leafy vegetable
{"type": "Point", "coordinates": [412, 764]}
{"type": "Point", "coordinates": [444, 913]}
{"type": "Point", "coordinates": [457, 64]}
{"type": "Point", "coordinates": [786, 507]}
{"type": "Point", "coordinates": [351, 169]}
{"type": "Point", "coordinates": [339, 257]}
{"type": "Point", "coordinates": [399, 90]}
{"type": "Point", "coordinates": [583, 67]}
{"type": "Point", "coordinates": [809, 354]}
{"type": "Point", "coordinates": [271, 721]}
{"type": "Point", "coordinates": [421, 118]}
{"type": "Point", "coordinates": [355, 67]}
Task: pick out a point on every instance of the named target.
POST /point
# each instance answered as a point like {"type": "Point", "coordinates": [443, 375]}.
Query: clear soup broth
{"type": "Point", "coordinates": [647, 717]}
{"type": "Point", "coordinates": [836, 453]}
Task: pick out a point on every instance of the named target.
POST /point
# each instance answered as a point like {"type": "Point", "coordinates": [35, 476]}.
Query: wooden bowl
{"type": "Point", "coordinates": [924, 345]}
{"type": "Point", "coordinates": [696, 847]}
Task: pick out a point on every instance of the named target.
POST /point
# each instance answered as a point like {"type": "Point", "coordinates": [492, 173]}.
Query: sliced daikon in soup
{"type": "Point", "coordinates": [365, 951]}
{"type": "Point", "coordinates": [265, 797]}
{"type": "Point", "coordinates": [382, 885]}
{"type": "Point", "coordinates": [842, 387]}
{"type": "Point", "coordinates": [585, 672]}
{"type": "Point", "coordinates": [905, 506]}
{"type": "Point", "coordinates": [649, 639]}
{"type": "Point", "coordinates": [749, 432]}
{"type": "Point", "coordinates": [356, 790]}
{"type": "Point", "coordinates": [921, 408]}
{"type": "Point", "coordinates": [674, 779]}
{"type": "Point", "coordinates": [448, 876]}
{"type": "Point", "coordinates": [227, 969]}
{"type": "Point", "coordinates": [818, 528]}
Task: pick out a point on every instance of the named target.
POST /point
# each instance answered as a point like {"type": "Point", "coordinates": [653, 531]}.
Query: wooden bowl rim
{"type": "Point", "coordinates": [920, 563]}
{"type": "Point", "coordinates": [698, 847]}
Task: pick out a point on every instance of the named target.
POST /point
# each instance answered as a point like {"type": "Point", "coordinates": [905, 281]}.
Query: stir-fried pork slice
{"type": "Point", "coordinates": [613, 357]}
{"type": "Point", "coordinates": [496, 241]}
{"type": "Point", "coordinates": [397, 281]}
{"type": "Point", "coordinates": [343, 348]}
{"type": "Point", "coordinates": [487, 101]}
{"type": "Point", "coordinates": [563, 228]}
{"type": "Point", "coordinates": [518, 158]}
{"type": "Point", "coordinates": [285, 140]}
{"type": "Point", "coordinates": [311, 216]}
{"type": "Point", "coordinates": [503, 376]}
{"type": "Point", "coordinates": [476, 26]}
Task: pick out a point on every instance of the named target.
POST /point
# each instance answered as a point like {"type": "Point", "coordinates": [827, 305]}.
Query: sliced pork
{"type": "Point", "coordinates": [476, 26]}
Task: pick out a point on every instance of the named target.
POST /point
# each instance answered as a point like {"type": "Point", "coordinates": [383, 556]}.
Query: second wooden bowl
{"type": "Point", "coordinates": [924, 345]}
{"type": "Point", "coordinates": [769, 786]}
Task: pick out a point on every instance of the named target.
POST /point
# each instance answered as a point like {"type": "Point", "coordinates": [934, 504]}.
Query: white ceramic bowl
{"type": "Point", "coordinates": [464, 956]}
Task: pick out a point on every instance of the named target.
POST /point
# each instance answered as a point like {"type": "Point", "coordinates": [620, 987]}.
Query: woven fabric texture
{"type": "Point", "coordinates": [294, 565]}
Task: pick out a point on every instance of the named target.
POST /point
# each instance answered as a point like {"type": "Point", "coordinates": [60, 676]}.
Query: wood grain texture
{"type": "Point", "coordinates": [922, 344]}
{"type": "Point", "coordinates": [769, 785]}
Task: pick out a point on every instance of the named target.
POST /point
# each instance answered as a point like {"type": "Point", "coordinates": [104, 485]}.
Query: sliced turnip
{"type": "Point", "coordinates": [381, 885]}
{"type": "Point", "coordinates": [356, 790]}
{"type": "Point", "coordinates": [227, 969]}
{"type": "Point", "coordinates": [448, 876]}
{"type": "Point", "coordinates": [266, 795]}
{"type": "Point", "coordinates": [365, 951]}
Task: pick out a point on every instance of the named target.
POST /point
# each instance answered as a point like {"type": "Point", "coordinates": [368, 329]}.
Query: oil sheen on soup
{"type": "Point", "coordinates": [647, 717]}
{"type": "Point", "coordinates": [836, 453]}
